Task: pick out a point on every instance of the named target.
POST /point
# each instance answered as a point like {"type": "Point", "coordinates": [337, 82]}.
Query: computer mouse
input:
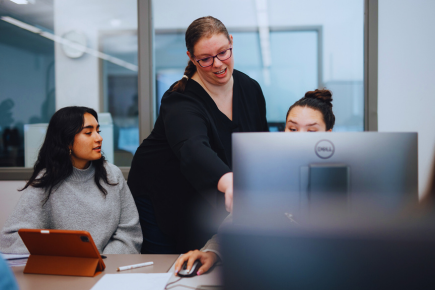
{"type": "Point", "coordinates": [195, 267]}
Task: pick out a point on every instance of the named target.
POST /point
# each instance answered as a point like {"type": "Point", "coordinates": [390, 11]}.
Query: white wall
{"type": "Point", "coordinates": [406, 94]}
{"type": "Point", "coordinates": [78, 80]}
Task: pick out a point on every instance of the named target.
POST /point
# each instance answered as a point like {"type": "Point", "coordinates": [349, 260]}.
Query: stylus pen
{"type": "Point", "coordinates": [134, 266]}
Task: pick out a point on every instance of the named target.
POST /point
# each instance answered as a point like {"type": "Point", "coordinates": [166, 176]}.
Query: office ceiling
{"type": "Point", "coordinates": [38, 13]}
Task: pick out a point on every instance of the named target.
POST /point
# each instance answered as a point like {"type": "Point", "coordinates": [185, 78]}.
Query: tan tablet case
{"type": "Point", "coordinates": [61, 252]}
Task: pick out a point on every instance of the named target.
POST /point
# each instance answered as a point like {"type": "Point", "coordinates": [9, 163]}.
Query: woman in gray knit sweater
{"type": "Point", "coordinates": [74, 188]}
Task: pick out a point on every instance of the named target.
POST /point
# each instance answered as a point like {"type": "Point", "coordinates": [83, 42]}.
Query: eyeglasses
{"type": "Point", "coordinates": [208, 61]}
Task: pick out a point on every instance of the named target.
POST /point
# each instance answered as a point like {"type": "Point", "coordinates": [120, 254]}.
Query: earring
{"type": "Point", "coordinates": [70, 152]}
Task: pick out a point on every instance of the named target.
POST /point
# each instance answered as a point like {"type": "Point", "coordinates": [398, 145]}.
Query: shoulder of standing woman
{"type": "Point", "coordinates": [245, 80]}
{"type": "Point", "coordinates": [241, 75]}
{"type": "Point", "coordinates": [191, 100]}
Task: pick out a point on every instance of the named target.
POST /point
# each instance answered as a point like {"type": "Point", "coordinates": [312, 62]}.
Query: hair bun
{"type": "Point", "coordinates": [323, 95]}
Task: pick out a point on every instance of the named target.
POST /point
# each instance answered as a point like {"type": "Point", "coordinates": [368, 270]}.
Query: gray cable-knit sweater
{"type": "Point", "coordinates": [78, 204]}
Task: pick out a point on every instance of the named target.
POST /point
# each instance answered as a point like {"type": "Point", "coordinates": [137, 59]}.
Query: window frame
{"type": "Point", "coordinates": [371, 65]}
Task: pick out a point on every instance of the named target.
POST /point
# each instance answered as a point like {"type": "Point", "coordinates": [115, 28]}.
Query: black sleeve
{"type": "Point", "coordinates": [186, 125]}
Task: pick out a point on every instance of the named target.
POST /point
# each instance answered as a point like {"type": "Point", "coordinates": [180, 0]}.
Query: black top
{"type": "Point", "coordinates": [180, 163]}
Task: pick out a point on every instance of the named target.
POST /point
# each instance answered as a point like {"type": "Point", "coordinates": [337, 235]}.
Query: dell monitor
{"type": "Point", "coordinates": [282, 177]}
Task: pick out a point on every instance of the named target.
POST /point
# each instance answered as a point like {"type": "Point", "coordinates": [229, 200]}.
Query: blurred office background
{"type": "Point", "coordinates": [39, 74]}
{"type": "Point", "coordinates": [288, 46]}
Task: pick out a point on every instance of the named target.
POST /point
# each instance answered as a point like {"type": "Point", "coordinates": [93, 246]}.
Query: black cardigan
{"type": "Point", "coordinates": [180, 163]}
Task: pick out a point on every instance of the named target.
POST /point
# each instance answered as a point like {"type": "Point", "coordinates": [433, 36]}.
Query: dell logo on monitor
{"type": "Point", "coordinates": [324, 149]}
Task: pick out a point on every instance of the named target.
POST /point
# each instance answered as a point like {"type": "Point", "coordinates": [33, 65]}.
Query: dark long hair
{"type": "Point", "coordinates": [320, 100]}
{"type": "Point", "coordinates": [54, 155]}
{"type": "Point", "coordinates": [201, 27]}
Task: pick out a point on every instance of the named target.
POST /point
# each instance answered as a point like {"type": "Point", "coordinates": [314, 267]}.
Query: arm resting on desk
{"type": "Point", "coordinates": [29, 213]}
{"type": "Point", "coordinates": [209, 254]}
{"type": "Point", "coordinates": [212, 245]}
{"type": "Point", "coordinates": [208, 259]}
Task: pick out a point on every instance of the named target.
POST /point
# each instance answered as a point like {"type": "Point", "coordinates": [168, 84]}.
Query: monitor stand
{"type": "Point", "coordinates": [324, 188]}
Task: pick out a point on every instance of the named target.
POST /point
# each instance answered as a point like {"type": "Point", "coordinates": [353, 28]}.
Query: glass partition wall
{"type": "Point", "coordinates": [289, 47]}
{"type": "Point", "coordinates": [57, 53]}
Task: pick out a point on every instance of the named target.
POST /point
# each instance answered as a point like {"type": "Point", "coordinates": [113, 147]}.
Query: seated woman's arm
{"type": "Point", "coordinates": [29, 213]}
{"type": "Point", "coordinates": [208, 255]}
{"type": "Point", "coordinates": [208, 259]}
{"type": "Point", "coordinates": [127, 239]}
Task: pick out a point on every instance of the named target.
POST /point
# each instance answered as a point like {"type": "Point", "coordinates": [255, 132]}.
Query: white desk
{"type": "Point", "coordinates": [211, 278]}
{"type": "Point", "coordinates": [162, 264]}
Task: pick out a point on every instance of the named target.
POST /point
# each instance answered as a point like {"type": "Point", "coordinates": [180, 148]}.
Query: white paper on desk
{"type": "Point", "coordinates": [17, 262]}
{"type": "Point", "coordinates": [142, 281]}
{"type": "Point", "coordinates": [212, 278]}
{"type": "Point", "coordinates": [14, 256]}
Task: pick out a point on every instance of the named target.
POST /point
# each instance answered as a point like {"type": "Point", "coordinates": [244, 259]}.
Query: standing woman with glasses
{"type": "Point", "coordinates": [181, 175]}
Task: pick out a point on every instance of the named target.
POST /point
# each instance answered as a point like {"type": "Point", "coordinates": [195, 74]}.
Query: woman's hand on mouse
{"type": "Point", "coordinates": [207, 259]}
{"type": "Point", "coordinates": [225, 185]}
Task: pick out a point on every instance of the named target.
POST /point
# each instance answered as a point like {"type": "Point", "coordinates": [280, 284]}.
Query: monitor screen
{"type": "Point", "coordinates": [282, 177]}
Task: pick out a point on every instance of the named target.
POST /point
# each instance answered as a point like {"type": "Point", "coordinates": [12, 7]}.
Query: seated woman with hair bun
{"type": "Point", "coordinates": [74, 188]}
{"type": "Point", "coordinates": [312, 113]}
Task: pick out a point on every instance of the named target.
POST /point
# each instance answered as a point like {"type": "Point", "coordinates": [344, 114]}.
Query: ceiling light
{"type": "Point", "coordinates": [20, 2]}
